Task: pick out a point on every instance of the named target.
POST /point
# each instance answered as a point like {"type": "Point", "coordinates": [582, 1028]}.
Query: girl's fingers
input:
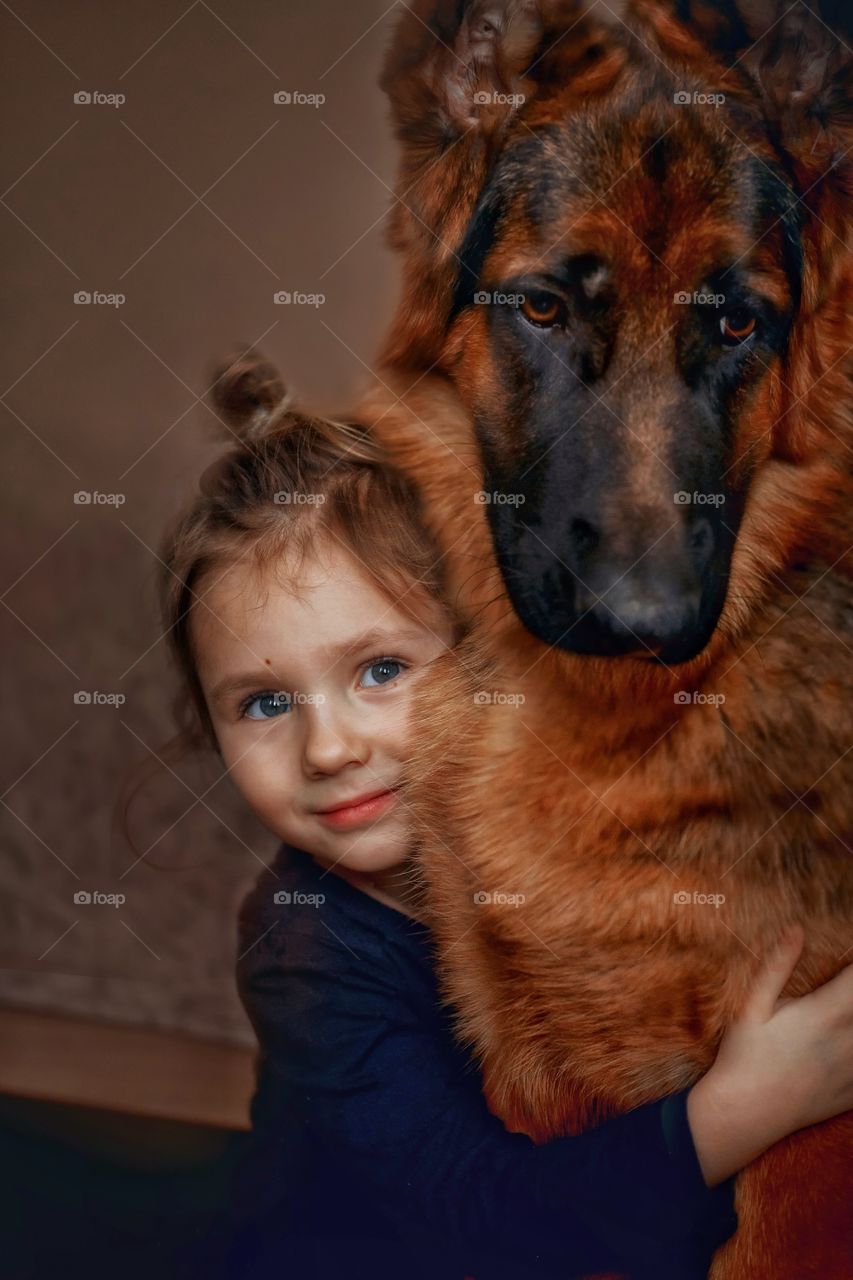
{"type": "Point", "coordinates": [777, 968]}
{"type": "Point", "coordinates": [837, 992]}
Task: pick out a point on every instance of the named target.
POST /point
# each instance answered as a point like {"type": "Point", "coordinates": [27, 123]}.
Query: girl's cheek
{"type": "Point", "coordinates": [258, 771]}
{"type": "Point", "coordinates": [393, 726]}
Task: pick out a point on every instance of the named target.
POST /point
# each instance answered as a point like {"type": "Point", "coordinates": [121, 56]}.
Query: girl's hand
{"type": "Point", "coordinates": [783, 1064]}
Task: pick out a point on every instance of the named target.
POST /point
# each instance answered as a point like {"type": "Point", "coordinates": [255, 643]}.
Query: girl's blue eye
{"type": "Point", "coordinates": [382, 672]}
{"type": "Point", "coordinates": [266, 706]}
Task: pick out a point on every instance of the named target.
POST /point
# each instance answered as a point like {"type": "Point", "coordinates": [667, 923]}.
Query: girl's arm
{"type": "Point", "coordinates": [783, 1065]}
{"type": "Point", "coordinates": [405, 1115]}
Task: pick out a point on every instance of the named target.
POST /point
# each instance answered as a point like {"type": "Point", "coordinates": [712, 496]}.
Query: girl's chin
{"type": "Point", "coordinates": [367, 849]}
{"type": "Point", "coordinates": [371, 855]}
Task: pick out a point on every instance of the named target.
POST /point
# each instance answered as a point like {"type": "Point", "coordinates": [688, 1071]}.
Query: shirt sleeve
{"type": "Point", "coordinates": [380, 1085]}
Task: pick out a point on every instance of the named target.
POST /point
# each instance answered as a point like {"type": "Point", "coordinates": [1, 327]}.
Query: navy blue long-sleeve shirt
{"type": "Point", "coordinates": [374, 1153]}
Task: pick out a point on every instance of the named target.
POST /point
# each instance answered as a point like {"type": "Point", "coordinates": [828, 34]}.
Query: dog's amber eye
{"type": "Point", "coordinates": [737, 325]}
{"type": "Point", "coordinates": [543, 309]}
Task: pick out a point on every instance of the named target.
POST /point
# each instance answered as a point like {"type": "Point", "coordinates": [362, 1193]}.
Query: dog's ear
{"type": "Point", "coordinates": [456, 74]}
{"type": "Point", "coordinates": [455, 65]}
{"type": "Point", "coordinates": [799, 59]}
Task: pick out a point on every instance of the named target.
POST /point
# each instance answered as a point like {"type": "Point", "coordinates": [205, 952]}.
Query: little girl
{"type": "Point", "coordinates": [303, 603]}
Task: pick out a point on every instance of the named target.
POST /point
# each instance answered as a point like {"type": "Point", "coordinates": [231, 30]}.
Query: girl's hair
{"type": "Point", "coordinates": [287, 479]}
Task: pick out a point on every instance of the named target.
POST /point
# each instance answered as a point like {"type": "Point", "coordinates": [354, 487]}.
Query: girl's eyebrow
{"type": "Point", "coordinates": [375, 636]}
{"type": "Point", "coordinates": [264, 678]}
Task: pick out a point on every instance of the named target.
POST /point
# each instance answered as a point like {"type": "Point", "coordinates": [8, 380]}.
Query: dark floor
{"type": "Point", "coordinates": [91, 1194]}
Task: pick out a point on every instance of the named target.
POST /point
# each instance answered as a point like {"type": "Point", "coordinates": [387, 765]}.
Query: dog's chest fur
{"type": "Point", "coordinates": [657, 863]}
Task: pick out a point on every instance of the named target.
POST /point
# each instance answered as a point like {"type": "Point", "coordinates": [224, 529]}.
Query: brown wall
{"type": "Point", "coordinates": [106, 398]}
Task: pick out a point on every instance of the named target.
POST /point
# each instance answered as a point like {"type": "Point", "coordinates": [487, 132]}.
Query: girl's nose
{"type": "Point", "coordinates": [330, 741]}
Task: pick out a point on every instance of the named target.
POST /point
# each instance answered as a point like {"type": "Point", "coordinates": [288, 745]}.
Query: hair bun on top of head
{"type": "Point", "coordinates": [250, 399]}
{"type": "Point", "coordinates": [248, 395]}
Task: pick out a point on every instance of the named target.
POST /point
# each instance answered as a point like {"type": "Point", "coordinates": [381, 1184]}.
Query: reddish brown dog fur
{"type": "Point", "coordinates": [623, 780]}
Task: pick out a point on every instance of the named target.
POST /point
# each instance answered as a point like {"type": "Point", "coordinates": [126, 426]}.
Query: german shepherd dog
{"type": "Point", "coordinates": [620, 375]}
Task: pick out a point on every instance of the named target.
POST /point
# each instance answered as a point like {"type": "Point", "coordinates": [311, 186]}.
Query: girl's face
{"type": "Point", "coordinates": [309, 696]}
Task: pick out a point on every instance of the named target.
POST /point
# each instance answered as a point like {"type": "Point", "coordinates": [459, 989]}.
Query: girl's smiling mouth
{"type": "Point", "coordinates": [353, 813]}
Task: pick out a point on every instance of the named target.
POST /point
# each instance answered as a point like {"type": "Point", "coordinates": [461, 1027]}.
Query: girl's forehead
{"type": "Point", "coordinates": [314, 600]}
{"type": "Point", "coordinates": [301, 576]}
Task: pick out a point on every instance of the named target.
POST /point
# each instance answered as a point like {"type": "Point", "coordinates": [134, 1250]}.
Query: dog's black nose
{"type": "Point", "coordinates": [649, 604]}
{"type": "Point", "coordinates": [623, 579]}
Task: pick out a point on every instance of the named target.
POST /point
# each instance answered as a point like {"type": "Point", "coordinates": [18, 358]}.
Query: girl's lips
{"type": "Point", "coordinates": [354, 815]}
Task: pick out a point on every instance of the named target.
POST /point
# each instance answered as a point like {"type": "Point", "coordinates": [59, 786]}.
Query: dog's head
{"type": "Point", "coordinates": [617, 230]}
